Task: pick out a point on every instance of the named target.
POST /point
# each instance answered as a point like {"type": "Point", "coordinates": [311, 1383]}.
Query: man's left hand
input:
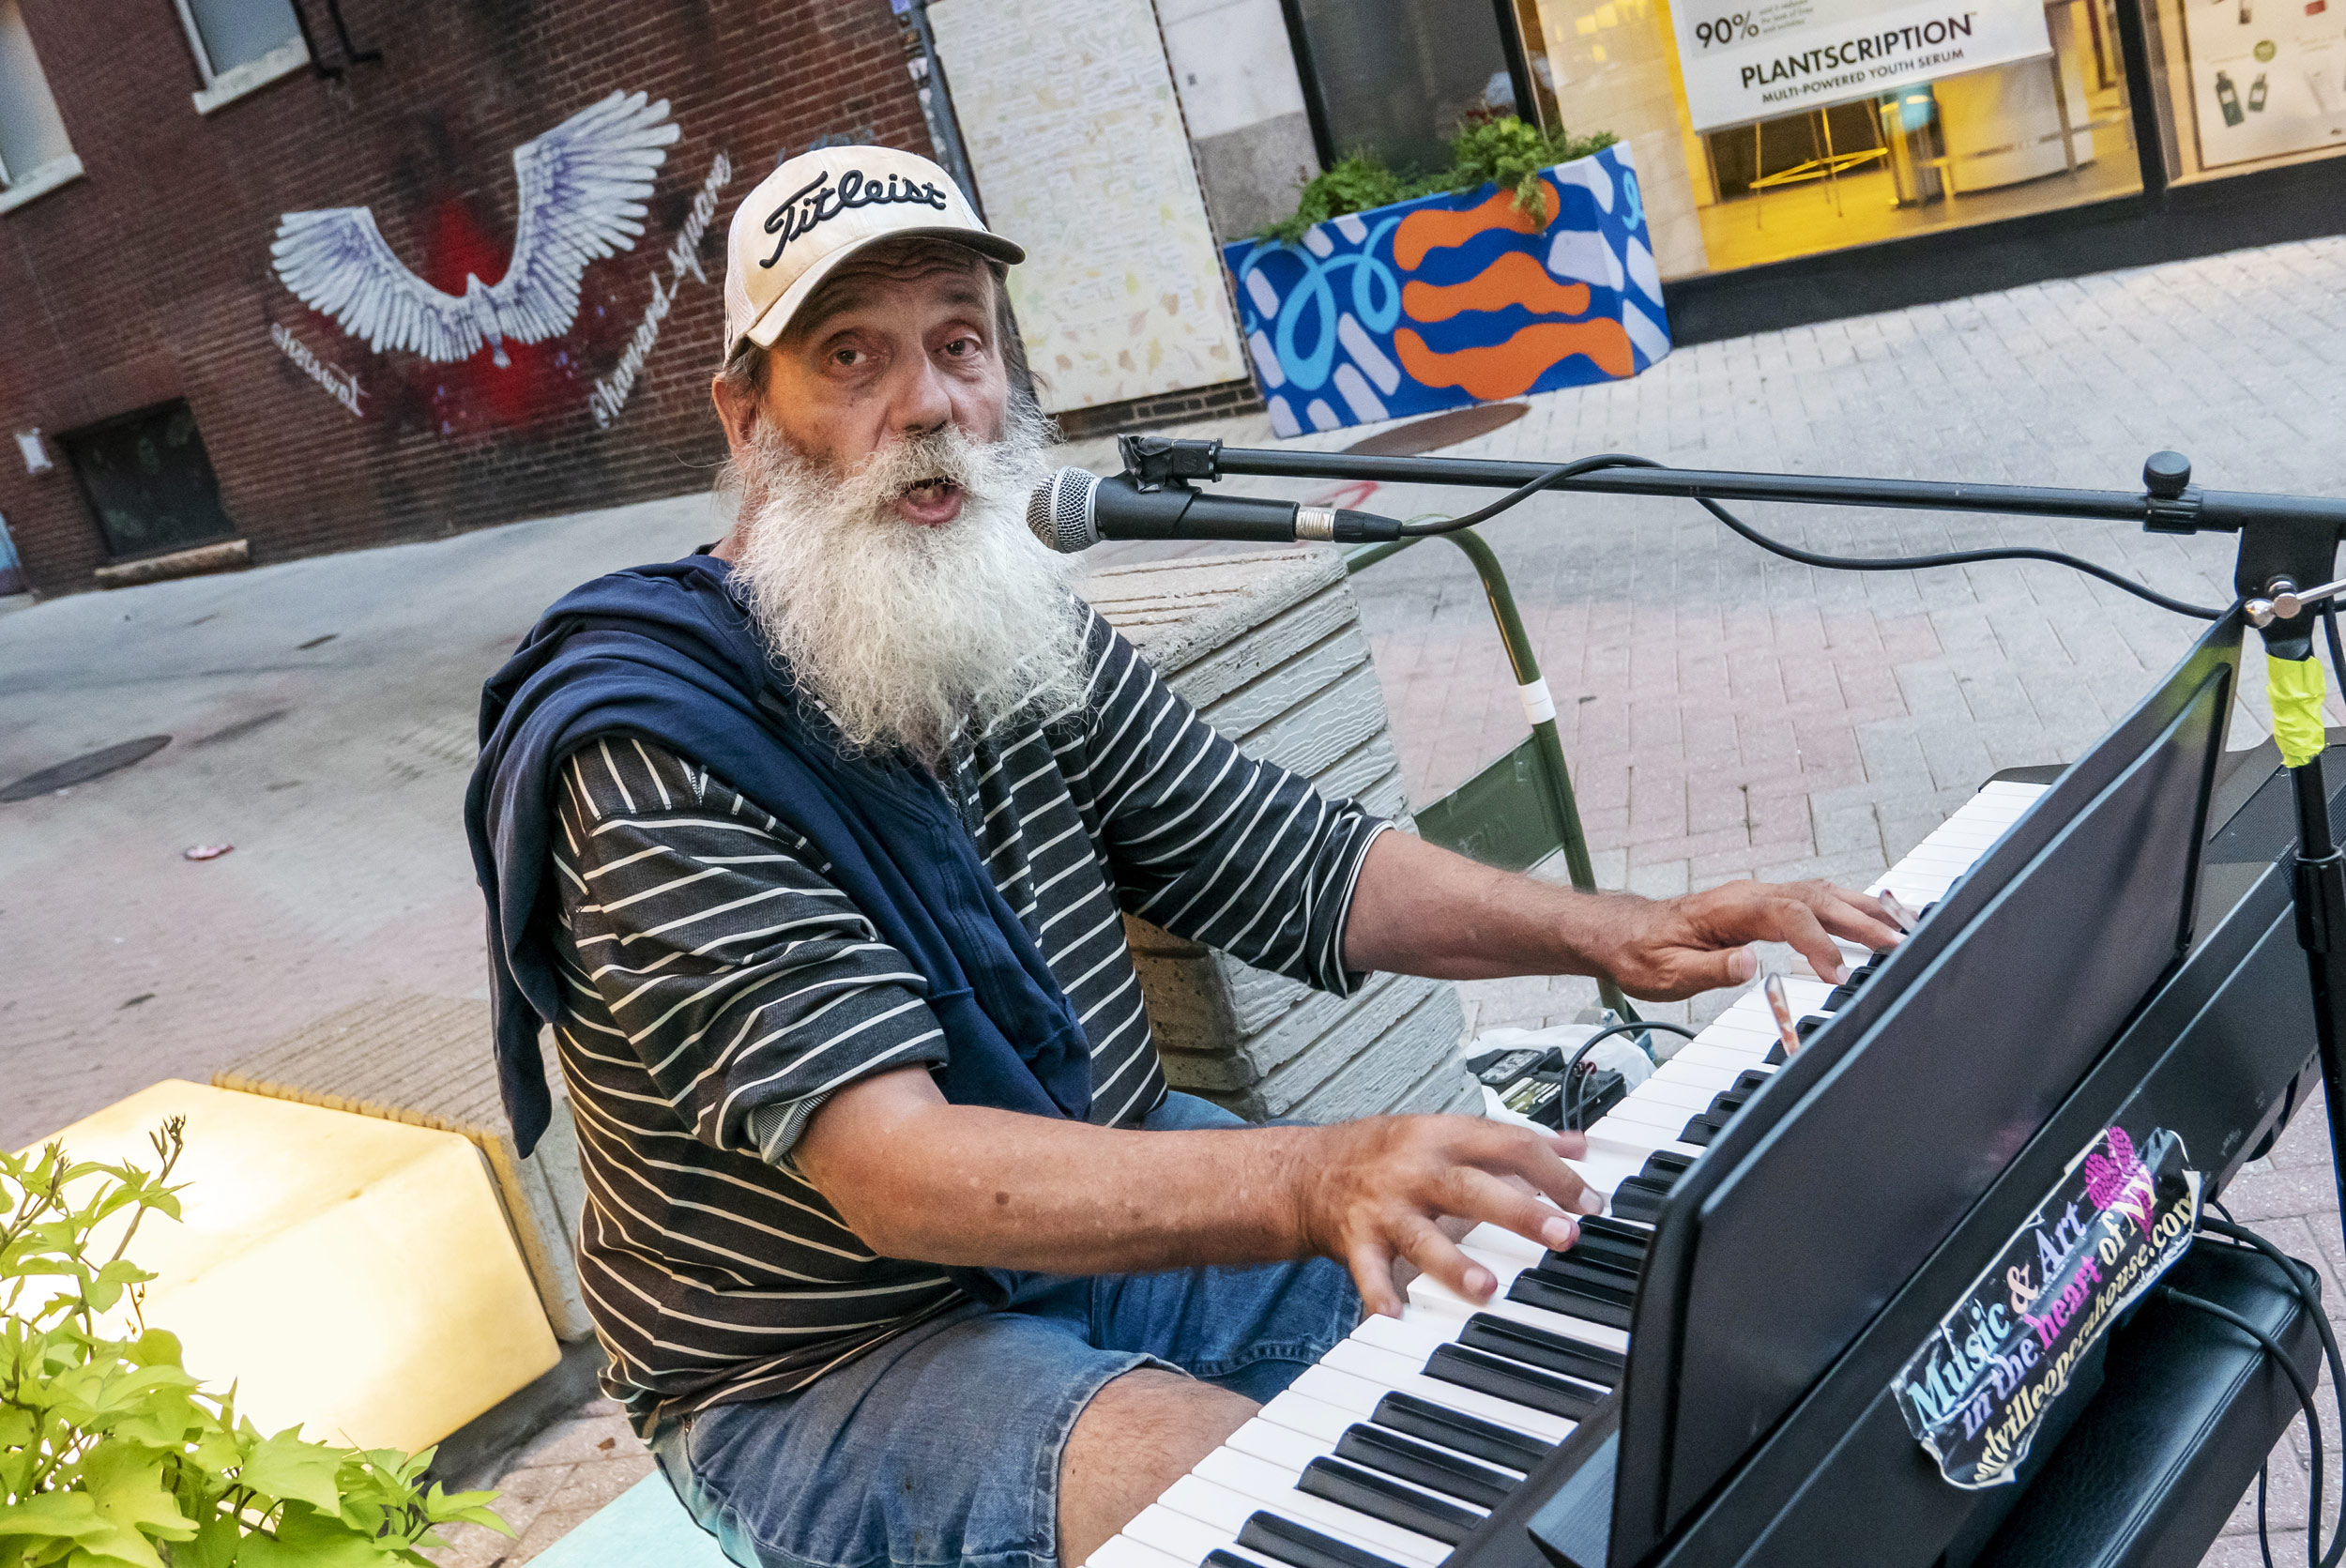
{"type": "Point", "coordinates": [1664, 950]}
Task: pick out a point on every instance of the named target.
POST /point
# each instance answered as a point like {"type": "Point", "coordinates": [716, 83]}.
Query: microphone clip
{"type": "Point", "coordinates": [1153, 462]}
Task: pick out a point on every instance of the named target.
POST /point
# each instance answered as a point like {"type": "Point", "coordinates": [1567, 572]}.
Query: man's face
{"type": "Point", "coordinates": [881, 543]}
{"type": "Point", "coordinates": [891, 346]}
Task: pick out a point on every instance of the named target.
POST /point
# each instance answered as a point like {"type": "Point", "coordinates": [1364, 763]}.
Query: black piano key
{"type": "Point", "coordinates": [1301, 1547]}
{"type": "Point", "coordinates": [1776, 1055]}
{"type": "Point", "coordinates": [1810, 1025]}
{"type": "Point", "coordinates": [1619, 1244]}
{"type": "Point", "coordinates": [1596, 1275]}
{"type": "Point", "coordinates": [1726, 1102]}
{"type": "Point", "coordinates": [1700, 1129]}
{"type": "Point", "coordinates": [1456, 1429]}
{"type": "Point", "coordinates": [1543, 1349]}
{"type": "Point", "coordinates": [1751, 1081]}
{"type": "Point", "coordinates": [1547, 1291]}
{"type": "Point", "coordinates": [1382, 1498]}
{"type": "Point", "coordinates": [1374, 1449]}
{"type": "Point", "coordinates": [1666, 1164]}
{"type": "Point", "coordinates": [1511, 1380]}
{"type": "Point", "coordinates": [1637, 1198]}
{"type": "Point", "coordinates": [1220, 1559]}
{"type": "Point", "coordinates": [1839, 997]}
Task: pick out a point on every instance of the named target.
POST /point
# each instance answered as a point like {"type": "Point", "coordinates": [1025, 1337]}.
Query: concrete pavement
{"type": "Point", "coordinates": [1725, 713]}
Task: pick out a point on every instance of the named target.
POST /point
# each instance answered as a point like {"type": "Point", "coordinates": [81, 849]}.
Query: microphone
{"type": "Point", "coordinates": [1075, 509]}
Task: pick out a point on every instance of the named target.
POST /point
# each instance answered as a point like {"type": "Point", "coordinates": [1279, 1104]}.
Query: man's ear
{"type": "Point", "coordinates": [735, 411]}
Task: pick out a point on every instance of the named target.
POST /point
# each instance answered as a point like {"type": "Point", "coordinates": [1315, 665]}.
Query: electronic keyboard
{"type": "Point", "coordinates": [1394, 1449]}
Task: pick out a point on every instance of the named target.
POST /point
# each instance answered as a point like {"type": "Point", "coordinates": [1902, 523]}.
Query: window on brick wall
{"type": "Point", "coordinates": [240, 45]}
{"type": "Point", "coordinates": [34, 155]}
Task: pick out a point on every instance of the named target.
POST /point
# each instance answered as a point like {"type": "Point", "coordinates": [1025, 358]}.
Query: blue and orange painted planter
{"type": "Point", "coordinates": [1449, 300]}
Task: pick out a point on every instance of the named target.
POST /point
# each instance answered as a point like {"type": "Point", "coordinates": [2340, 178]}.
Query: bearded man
{"type": "Point", "coordinates": [812, 848]}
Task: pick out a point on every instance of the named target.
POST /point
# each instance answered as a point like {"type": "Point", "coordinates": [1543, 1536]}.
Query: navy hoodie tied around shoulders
{"type": "Point", "coordinates": [665, 653]}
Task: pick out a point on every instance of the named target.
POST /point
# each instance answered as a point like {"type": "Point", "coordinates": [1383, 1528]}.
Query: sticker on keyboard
{"type": "Point", "coordinates": [1975, 1393]}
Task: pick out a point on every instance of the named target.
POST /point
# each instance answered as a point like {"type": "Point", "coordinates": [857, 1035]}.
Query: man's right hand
{"type": "Point", "coordinates": [1373, 1193]}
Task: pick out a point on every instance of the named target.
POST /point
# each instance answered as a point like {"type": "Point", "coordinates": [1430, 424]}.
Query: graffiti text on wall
{"type": "Point", "coordinates": [340, 384]}
{"type": "Point", "coordinates": [610, 394]}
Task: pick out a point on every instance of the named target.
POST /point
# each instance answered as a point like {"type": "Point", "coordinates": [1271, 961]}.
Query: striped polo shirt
{"type": "Point", "coordinates": [720, 989]}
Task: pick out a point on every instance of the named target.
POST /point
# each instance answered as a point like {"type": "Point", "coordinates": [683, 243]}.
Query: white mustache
{"type": "Point", "coordinates": [908, 636]}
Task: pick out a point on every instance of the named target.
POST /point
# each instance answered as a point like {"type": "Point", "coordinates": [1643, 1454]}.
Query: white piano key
{"type": "Point", "coordinates": [1487, 1242]}
{"type": "Point", "coordinates": [1664, 1117]}
{"type": "Point", "coordinates": [1677, 1090]}
{"type": "Point", "coordinates": [1313, 1418]}
{"type": "Point", "coordinates": [1276, 1490]}
{"type": "Point", "coordinates": [1400, 1373]}
{"type": "Point", "coordinates": [1122, 1551]}
{"type": "Point", "coordinates": [1280, 1445]}
{"type": "Point", "coordinates": [1183, 1535]}
{"type": "Point", "coordinates": [1433, 1296]}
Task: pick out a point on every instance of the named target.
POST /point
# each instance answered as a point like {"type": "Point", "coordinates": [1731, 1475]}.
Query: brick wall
{"type": "Point", "coordinates": [150, 279]}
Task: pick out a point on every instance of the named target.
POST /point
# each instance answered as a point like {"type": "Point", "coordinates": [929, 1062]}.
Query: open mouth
{"type": "Point", "coordinates": [933, 501]}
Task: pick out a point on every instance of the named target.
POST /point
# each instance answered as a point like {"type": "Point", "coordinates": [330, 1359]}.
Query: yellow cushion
{"type": "Point", "coordinates": [351, 1276]}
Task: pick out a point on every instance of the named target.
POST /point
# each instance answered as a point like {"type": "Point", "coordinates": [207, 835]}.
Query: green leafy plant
{"type": "Point", "coordinates": [112, 1455]}
{"type": "Point", "coordinates": [1509, 152]}
{"type": "Point", "coordinates": [1485, 149]}
{"type": "Point", "coordinates": [1353, 183]}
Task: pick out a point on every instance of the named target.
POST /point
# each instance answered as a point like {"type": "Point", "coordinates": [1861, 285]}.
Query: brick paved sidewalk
{"type": "Point", "coordinates": [1725, 713]}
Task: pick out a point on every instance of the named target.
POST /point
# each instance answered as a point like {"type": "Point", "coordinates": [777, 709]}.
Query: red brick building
{"type": "Point", "coordinates": [167, 388]}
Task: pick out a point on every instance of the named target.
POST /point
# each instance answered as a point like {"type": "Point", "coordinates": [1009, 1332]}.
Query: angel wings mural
{"type": "Point", "coordinates": [582, 188]}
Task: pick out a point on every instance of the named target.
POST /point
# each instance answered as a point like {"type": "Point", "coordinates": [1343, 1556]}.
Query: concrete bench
{"type": "Point", "coordinates": [1268, 647]}
{"type": "Point", "coordinates": [428, 1061]}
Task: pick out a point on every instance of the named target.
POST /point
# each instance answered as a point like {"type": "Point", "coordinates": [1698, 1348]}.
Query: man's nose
{"type": "Point", "coordinates": [921, 402]}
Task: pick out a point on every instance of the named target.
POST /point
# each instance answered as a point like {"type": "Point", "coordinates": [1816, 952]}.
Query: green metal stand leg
{"type": "Point", "coordinates": [1548, 744]}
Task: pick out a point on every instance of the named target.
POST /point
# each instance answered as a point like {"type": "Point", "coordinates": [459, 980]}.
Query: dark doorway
{"type": "Point", "coordinates": [148, 481]}
{"type": "Point", "coordinates": [1395, 77]}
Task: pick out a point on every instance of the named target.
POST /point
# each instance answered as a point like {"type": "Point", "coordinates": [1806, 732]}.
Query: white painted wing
{"type": "Point", "coordinates": [336, 261]}
{"type": "Point", "coordinates": [583, 189]}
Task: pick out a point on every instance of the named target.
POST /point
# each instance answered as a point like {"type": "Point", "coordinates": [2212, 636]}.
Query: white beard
{"type": "Point", "coordinates": [910, 635]}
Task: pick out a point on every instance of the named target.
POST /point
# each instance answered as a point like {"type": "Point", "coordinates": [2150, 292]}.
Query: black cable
{"type": "Point", "coordinates": [2337, 654]}
{"type": "Point", "coordinates": [2304, 1283]}
{"type": "Point", "coordinates": [1572, 1105]}
{"type": "Point", "coordinates": [2305, 1398]}
{"type": "Point", "coordinates": [1810, 558]}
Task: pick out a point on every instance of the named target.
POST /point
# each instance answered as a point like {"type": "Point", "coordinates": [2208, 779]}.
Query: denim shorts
{"type": "Point", "coordinates": [942, 1445]}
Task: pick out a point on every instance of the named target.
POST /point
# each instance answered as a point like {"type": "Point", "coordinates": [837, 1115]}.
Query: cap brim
{"type": "Point", "coordinates": [776, 316]}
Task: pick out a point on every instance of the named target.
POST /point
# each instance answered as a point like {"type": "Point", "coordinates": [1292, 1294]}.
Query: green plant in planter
{"type": "Point", "coordinates": [1500, 148]}
{"type": "Point", "coordinates": [113, 1456]}
{"type": "Point", "coordinates": [1506, 151]}
{"type": "Point", "coordinates": [1353, 183]}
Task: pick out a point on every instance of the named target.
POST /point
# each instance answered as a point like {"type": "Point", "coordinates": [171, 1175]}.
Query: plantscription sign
{"type": "Point", "coordinates": [1786, 56]}
{"type": "Point", "coordinates": [1976, 1392]}
{"type": "Point", "coordinates": [1889, 51]}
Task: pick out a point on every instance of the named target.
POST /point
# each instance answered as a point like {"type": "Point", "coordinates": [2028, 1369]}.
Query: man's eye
{"type": "Point", "coordinates": [845, 356]}
{"type": "Point", "coordinates": [962, 347]}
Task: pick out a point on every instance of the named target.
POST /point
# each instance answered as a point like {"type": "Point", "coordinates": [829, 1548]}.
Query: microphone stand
{"type": "Point", "coordinates": [2285, 541]}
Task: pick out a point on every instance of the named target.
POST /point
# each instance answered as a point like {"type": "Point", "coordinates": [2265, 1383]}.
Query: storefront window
{"type": "Point", "coordinates": [1396, 77]}
{"type": "Point", "coordinates": [2248, 84]}
{"type": "Point", "coordinates": [1816, 125]}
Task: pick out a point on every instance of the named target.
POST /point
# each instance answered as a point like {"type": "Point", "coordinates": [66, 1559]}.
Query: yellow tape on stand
{"type": "Point", "coordinates": [2295, 688]}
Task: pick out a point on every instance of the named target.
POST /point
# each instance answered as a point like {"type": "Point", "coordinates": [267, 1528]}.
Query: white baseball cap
{"type": "Point", "coordinates": [820, 208]}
